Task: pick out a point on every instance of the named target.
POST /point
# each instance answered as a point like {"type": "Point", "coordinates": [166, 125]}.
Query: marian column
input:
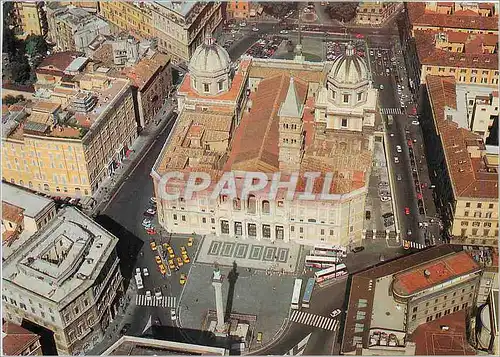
{"type": "Point", "coordinates": [217, 284]}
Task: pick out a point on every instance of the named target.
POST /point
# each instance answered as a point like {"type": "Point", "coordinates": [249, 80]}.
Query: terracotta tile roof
{"type": "Point", "coordinates": [12, 213]}
{"type": "Point", "coordinates": [473, 57]}
{"type": "Point", "coordinates": [256, 139]}
{"type": "Point", "coordinates": [257, 71]}
{"type": "Point", "coordinates": [419, 16]}
{"type": "Point", "coordinates": [57, 62]}
{"type": "Point", "coordinates": [363, 287]}
{"type": "Point", "coordinates": [450, 267]}
{"type": "Point", "coordinates": [431, 340]}
{"type": "Point", "coordinates": [142, 73]}
{"type": "Point", "coordinates": [8, 237]}
{"type": "Point", "coordinates": [16, 338]}
{"type": "Point", "coordinates": [469, 176]}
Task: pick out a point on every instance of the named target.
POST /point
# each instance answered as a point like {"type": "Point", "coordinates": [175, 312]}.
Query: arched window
{"type": "Point", "coordinates": [12, 181]}
{"type": "Point", "coordinates": [30, 184]}
{"type": "Point", "coordinates": [237, 204]}
{"type": "Point", "coordinates": [46, 187]}
{"type": "Point", "coordinates": [266, 208]}
{"type": "Point", "coordinates": [252, 204]}
{"type": "Point", "coordinates": [21, 182]}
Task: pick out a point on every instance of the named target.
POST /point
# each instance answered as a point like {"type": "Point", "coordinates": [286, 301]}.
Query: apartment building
{"type": "Point", "coordinates": [297, 125]}
{"type": "Point", "coordinates": [375, 12]}
{"type": "Point", "coordinates": [76, 132]}
{"type": "Point", "coordinates": [17, 341]}
{"type": "Point", "coordinates": [483, 115]}
{"type": "Point", "coordinates": [73, 28]}
{"type": "Point", "coordinates": [239, 10]}
{"type": "Point", "coordinates": [447, 38]}
{"type": "Point", "coordinates": [66, 279]}
{"type": "Point", "coordinates": [151, 79]}
{"type": "Point", "coordinates": [415, 290]}
{"type": "Point", "coordinates": [23, 214]}
{"type": "Point", "coordinates": [464, 171]}
{"type": "Point", "coordinates": [33, 17]}
{"type": "Point", "coordinates": [179, 27]}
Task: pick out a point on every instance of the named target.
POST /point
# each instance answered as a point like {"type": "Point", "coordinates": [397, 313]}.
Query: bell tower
{"type": "Point", "coordinates": [291, 133]}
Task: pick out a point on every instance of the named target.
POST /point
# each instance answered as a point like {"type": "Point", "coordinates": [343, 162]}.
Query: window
{"type": "Point", "coordinates": [220, 85]}
{"type": "Point", "coordinates": [204, 220]}
{"type": "Point", "coordinates": [346, 98]}
{"type": "Point", "coordinates": [490, 206]}
{"type": "Point", "coordinates": [415, 309]}
{"type": "Point", "coordinates": [252, 229]}
{"type": "Point", "coordinates": [224, 227]}
{"type": "Point", "coordinates": [266, 231]}
{"type": "Point", "coordinates": [467, 204]}
{"type": "Point", "coordinates": [479, 205]}
{"type": "Point", "coordinates": [206, 87]}
{"type": "Point", "coordinates": [322, 232]}
{"type": "Point", "coordinates": [344, 123]}
{"type": "Point", "coordinates": [429, 319]}
{"type": "Point", "coordinates": [301, 230]}
{"type": "Point", "coordinates": [212, 220]}
{"type": "Point", "coordinates": [360, 96]}
{"type": "Point", "coordinates": [413, 317]}
{"type": "Point", "coordinates": [265, 207]}
{"type": "Point", "coordinates": [183, 218]}
{"type": "Point", "coordinates": [175, 217]}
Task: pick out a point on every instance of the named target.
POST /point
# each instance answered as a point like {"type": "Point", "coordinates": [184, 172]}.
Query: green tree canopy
{"type": "Point", "coordinates": [35, 46]}
{"type": "Point", "coordinates": [342, 11]}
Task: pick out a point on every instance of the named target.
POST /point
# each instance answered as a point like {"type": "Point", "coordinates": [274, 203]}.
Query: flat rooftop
{"type": "Point", "coordinates": [390, 315]}
{"type": "Point", "coordinates": [31, 203]}
{"type": "Point", "coordinates": [63, 259]}
{"type": "Point", "coordinates": [434, 273]}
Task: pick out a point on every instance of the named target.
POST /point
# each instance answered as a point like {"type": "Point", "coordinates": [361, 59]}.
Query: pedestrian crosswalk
{"type": "Point", "coordinates": [165, 301]}
{"type": "Point", "coordinates": [306, 318]}
{"type": "Point", "coordinates": [409, 244]}
{"type": "Point", "coordinates": [392, 111]}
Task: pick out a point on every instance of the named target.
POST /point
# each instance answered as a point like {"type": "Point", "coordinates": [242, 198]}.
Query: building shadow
{"type": "Point", "coordinates": [128, 246]}
{"type": "Point", "coordinates": [231, 278]}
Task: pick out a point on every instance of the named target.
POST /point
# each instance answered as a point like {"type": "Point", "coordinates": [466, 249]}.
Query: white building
{"type": "Point", "coordinates": [65, 278]}
{"type": "Point", "coordinates": [272, 116]}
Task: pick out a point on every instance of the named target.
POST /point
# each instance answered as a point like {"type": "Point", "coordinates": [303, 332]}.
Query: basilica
{"type": "Point", "coordinates": [276, 117]}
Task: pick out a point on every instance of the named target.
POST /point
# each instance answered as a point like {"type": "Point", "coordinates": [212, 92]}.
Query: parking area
{"type": "Point", "coordinates": [333, 49]}
{"type": "Point", "coordinates": [379, 215]}
{"type": "Point", "coordinates": [265, 47]}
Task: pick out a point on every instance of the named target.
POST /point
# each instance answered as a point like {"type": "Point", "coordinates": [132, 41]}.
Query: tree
{"type": "Point", "coordinates": [11, 45]}
{"type": "Point", "coordinates": [20, 70]}
{"type": "Point", "coordinates": [10, 99]}
{"type": "Point", "coordinates": [35, 46]}
{"type": "Point", "coordinates": [342, 11]}
{"type": "Point", "coordinates": [278, 9]}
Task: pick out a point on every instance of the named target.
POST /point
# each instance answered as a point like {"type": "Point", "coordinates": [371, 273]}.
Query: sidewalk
{"type": "Point", "coordinates": [138, 149]}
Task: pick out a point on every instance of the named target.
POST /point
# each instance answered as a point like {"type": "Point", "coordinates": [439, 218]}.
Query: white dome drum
{"type": "Point", "coordinates": [349, 69]}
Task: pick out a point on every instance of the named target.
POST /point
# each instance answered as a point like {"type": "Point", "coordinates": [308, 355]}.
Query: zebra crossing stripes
{"type": "Point", "coordinates": [165, 301]}
{"type": "Point", "coordinates": [414, 244]}
{"type": "Point", "coordinates": [387, 111]}
{"type": "Point", "coordinates": [306, 318]}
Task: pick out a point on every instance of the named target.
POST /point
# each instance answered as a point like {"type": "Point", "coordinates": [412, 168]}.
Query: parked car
{"type": "Point", "coordinates": [148, 295]}
{"type": "Point", "coordinates": [399, 177]}
{"type": "Point", "coordinates": [358, 249]}
{"type": "Point", "coordinates": [407, 211]}
{"type": "Point", "coordinates": [138, 271]}
{"type": "Point", "coordinates": [415, 122]}
{"type": "Point", "coordinates": [150, 212]}
{"type": "Point", "coordinates": [179, 262]}
{"type": "Point", "coordinates": [396, 160]}
{"type": "Point", "coordinates": [145, 271]}
{"type": "Point", "coordinates": [335, 313]}
{"type": "Point", "coordinates": [259, 337]}
{"type": "Point", "coordinates": [173, 316]}
{"type": "Point", "coordinates": [158, 259]}
{"type": "Point", "coordinates": [152, 244]}
{"type": "Point", "coordinates": [162, 269]}
{"type": "Point", "coordinates": [255, 29]}
{"type": "Point", "coordinates": [182, 279]}
{"type": "Point", "coordinates": [151, 231]}
{"type": "Point", "coordinates": [171, 264]}
{"type": "Point", "coordinates": [406, 246]}
{"type": "Point", "coordinates": [399, 149]}
{"type": "Point", "coordinates": [185, 258]}
{"type": "Point", "coordinates": [158, 294]}
{"type": "Point", "coordinates": [152, 200]}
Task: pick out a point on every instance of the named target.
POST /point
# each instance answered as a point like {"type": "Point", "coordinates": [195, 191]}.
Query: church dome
{"type": "Point", "coordinates": [349, 68]}
{"type": "Point", "coordinates": [209, 59]}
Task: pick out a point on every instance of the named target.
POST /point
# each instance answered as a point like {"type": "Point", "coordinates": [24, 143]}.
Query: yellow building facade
{"type": "Point", "coordinates": [33, 18]}
{"type": "Point", "coordinates": [129, 16]}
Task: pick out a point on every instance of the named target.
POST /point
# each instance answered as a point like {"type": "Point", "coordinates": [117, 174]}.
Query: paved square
{"type": "Point", "coordinates": [214, 248]}
{"type": "Point", "coordinates": [241, 250]}
{"type": "Point", "coordinates": [282, 255]}
{"type": "Point", "coordinates": [256, 252]}
{"type": "Point", "coordinates": [227, 250]}
{"type": "Point", "coordinates": [269, 254]}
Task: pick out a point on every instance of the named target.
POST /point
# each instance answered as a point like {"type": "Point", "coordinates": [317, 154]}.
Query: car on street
{"type": "Point", "coordinates": [182, 279]}
{"type": "Point", "coordinates": [148, 295]}
{"type": "Point", "coordinates": [152, 200]}
{"type": "Point", "coordinates": [399, 149]}
{"type": "Point", "coordinates": [359, 36]}
{"type": "Point", "coordinates": [190, 241]}
{"type": "Point", "coordinates": [335, 313]}
{"type": "Point", "coordinates": [152, 244]}
{"type": "Point", "coordinates": [179, 262]}
{"type": "Point", "coordinates": [396, 160]}
{"type": "Point", "coordinates": [146, 223]}
{"type": "Point", "coordinates": [145, 271]}
{"type": "Point", "coordinates": [381, 258]}
{"type": "Point", "coordinates": [150, 212]}
{"type": "Point", "coordinates": [415, 122]}
{"type": "Point", "coordinates": [173, 316]}
{"type": "Point", "coordinates": [255, 29]}
{"type": "Point", "coordinates": [399, 177]}
{"type": "Point", "coordinates": [406, 246]}
{"type": "Point", "coordinates": [158, 259]}
{"type": "Point", "coordinates": [165, 246]}
{"type": "Point", "coordinates": [259, 337]}
{"type": "Point", "coordinates": [381, 87]}
{"type": "Point", "coordinates": [171, 264]}
{"type": "Point", "coordinates": [358, 249]}
{"type": "Point", "coordinates": [233, 32]}
{"type": "Point", "coordinates": [125, 328]}
{"type": "Point", "coordinates": [407, 211]}
{"type": "Point", "coordinates": [137, 271]}
{"type": "Point", "coordinates": [183, 250]}
{"type": "Point", "coordinates": [151, 231]}
{"type": "Point", "coordinates": [158, 294]}
{"type": "Point", "coordinates": [170, 252]}
{"type": "Point", "coordinates": [391, 135]}
{"type": "Point", "coordinates": [383, 184]}
{"type": "Point", "coordinates": [408, 232]}
{"type": "Point", "coordinates": [185, 258]}
{"type": "Point", "coordinates": [284, 32]}
{"type": "Point", "coordinates": [162, 269]}
{"type": "Point", "coordinates": [385, 198]}
{"type": "Point", "coordinates": [243, 24]}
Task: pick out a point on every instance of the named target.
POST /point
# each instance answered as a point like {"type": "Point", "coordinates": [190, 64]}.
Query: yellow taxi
{"type": "Point", "coordinates": [163, 271]}
{"type": "Point", "coordinates": [153, 245]}
{"type": "Point", "coordinates": [190, 241]}
{"type": "Point", "coordinates": [179, 262]}
{"type": "Point", "coordinates": [158, 260]}
{"type": "Point", "coordinates": [185, 258]}
{"type": "Point", "coordinates": [165, 245]}
{"type": "Point", "coordinates": [171, 264]}
{"type": "Point", "coordinates": [182, 279]}
{"type": "Point", "coordinates": [406, 245]}
{"type": "Point", "coordinates": [170, 252]}
{"type": "Point", "coordinates": [183, 250]}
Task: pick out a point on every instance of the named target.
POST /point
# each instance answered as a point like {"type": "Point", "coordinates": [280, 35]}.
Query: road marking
{"type": "Point", "coordinates": [165, 301]}
{"type": "Point", "coordinates": [306, 318]}
{"type": "Point", "coordinates": [415, 244]}
{"type": "Point", "coordinates": [391, 111]}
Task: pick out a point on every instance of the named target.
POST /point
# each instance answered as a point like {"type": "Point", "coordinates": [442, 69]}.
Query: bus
{"type": "Point", "coordinates": [317, 261]}
{"type": "Point", "coordinates": [334, 272]}
{"type": "Point", "coordinates": [296, 293]}
{"type": "Point", "coordinates": [138, 281]}
{"type": "Point", "coordinates": [330, 250]}
{"type": "Point", "coordinates": [308, 292]}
